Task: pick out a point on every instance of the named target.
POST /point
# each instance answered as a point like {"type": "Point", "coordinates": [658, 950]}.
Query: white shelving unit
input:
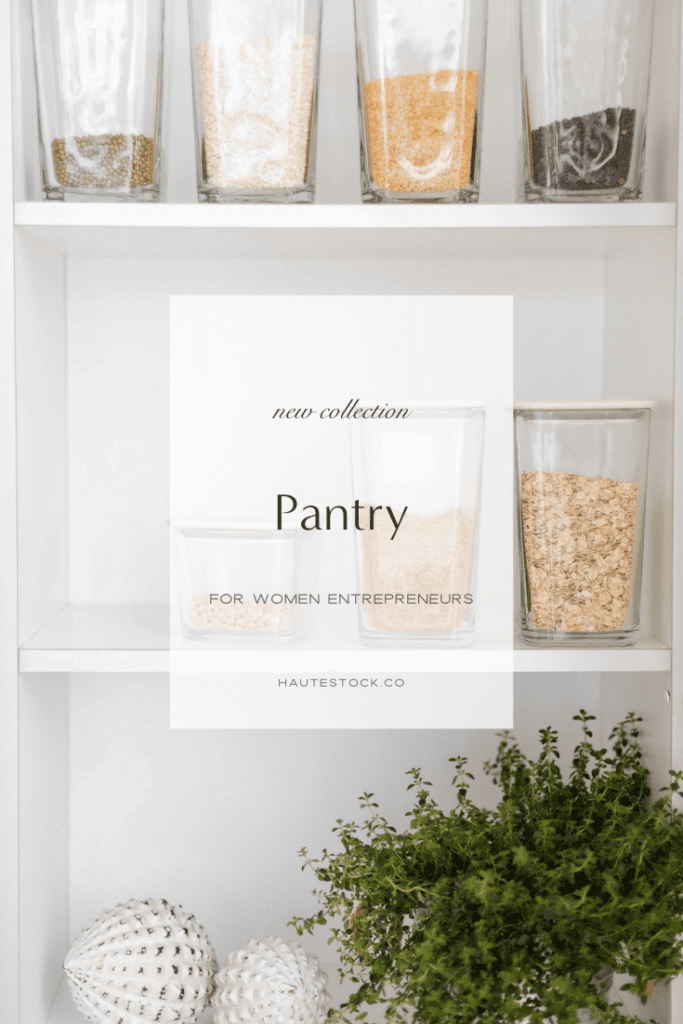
{"type": "Point", "coordinates": [343, 231]}
{"type": "Point", "coordinates": [98, 800]}
{"type": "Point", "coordinates": [135, 638]}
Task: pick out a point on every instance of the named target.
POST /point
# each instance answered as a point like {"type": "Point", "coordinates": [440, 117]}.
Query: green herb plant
{"type": "Point", "coordinates": [474, 915]}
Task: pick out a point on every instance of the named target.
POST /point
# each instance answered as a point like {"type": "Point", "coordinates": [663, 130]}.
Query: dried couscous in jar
{"type": "Point", "coordinates": [255, 76]}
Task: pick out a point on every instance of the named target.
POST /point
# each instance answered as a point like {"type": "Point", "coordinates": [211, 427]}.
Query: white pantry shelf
{"type": "Point", "coordinates": [135, 638]}
{"type": "Point", "coordinates": [100, 638]}
{"type": "Point", "coordinates": [419, 231]}
{"type": "Point", "coordinates": [99, 799]}
{"type": "Point", "coordinates": [647, 655]}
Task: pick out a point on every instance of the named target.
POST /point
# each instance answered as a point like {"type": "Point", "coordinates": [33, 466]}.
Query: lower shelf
{"type": "Point", "coordinates": [135, 638]}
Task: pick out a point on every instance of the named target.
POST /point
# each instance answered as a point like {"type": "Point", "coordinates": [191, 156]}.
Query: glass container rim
{"type": "Point", "coordinates": [606, 405]}
{"type": "Point", "coordinates": [224, 529]}
{"type": "Point", "coordinates": [435, 405]}
{"type": "Point", "coordinates": [423, 410]}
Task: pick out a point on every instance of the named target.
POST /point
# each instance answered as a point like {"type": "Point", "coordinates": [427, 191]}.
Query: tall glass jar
{"type": "Point", "coordinates": [585, 75]}
{"type": "Point", "coordinates": [581, 478]}
{"type": "Point", "coordinates": [420, 98]}
{"type": "Point", "coordinates": [255, 80]}
{"type": "Point", "coordinates": [417, 478]}
{"type": "Point", "coordinates": [99, 71]}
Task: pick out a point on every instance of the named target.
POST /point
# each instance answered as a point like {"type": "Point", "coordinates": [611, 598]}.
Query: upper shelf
{"type": "Point", "coordinates": [360, 231]}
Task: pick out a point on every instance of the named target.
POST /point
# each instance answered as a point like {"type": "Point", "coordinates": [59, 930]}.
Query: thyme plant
{"type": "Point", "coordinates": [474, 915]}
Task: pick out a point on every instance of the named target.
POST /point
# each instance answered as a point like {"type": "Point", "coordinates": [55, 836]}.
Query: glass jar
{"type": "Point", "coordinates": [420, 98]}
{"type": "Point", "coordinates": [255, 80]}
{"type": "Point", "coordinates": [245, 583]}
{"type": "Point", "coordinates": [585, 68]}
{"type": "Point", "coordinates": [99, 70]}
{"type": "Point", "coordinates": [418, 481]}
{"type": "Point", "coordinates": [581, 478]}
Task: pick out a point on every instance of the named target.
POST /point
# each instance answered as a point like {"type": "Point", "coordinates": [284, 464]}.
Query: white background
{"type": "Point", "coordinates": [236, 359]}
{"type": "Point", "coordinates": [437, 701]}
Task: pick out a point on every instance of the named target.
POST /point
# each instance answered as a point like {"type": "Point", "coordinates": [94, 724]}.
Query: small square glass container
{"type": "Point", "coordinates": [581, 479]}
{"type": "Point", "coordinates": [245, 583]}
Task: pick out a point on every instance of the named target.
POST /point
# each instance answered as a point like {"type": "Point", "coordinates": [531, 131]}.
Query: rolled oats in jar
{"type": "Point", "coordinates": [581, 470]}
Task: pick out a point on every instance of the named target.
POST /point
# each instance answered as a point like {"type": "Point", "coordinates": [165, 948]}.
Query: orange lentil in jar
{"type": "Point", "coordinates": [421, 130]}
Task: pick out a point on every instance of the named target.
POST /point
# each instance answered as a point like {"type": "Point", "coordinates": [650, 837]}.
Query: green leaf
{"type": "Point", "coordinates": [477, 916]}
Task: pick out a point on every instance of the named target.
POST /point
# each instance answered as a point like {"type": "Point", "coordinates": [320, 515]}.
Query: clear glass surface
{"type": "Point", "coordinates": [255, 81]}
{"type": "Point", "coordinates": [585, 77]}
{"type": "Point", "coordinates": [420, 98]}
{"type": "Point", "coordinates": [581, 479]}
{"type": "Point", "coordinates": [418, 580]}
{"type": "Point", "coordinates": [245, 584]}
{"type": "Point", "coordinates": [99, 71]}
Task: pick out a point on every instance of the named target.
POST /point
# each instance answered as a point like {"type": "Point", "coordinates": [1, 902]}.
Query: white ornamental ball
{"type": "Point", "coordinates": [271, 982]}
{"type": "Point", "coordinates": [145, 960]}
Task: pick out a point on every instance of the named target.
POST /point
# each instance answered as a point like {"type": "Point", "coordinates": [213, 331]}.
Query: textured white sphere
{"type": "Point", "coordinates": [142, 961]}
{"type": "Point", "coordinates": [271, 982]}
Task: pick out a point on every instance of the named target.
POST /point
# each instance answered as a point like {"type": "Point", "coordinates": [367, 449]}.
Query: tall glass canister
{"type": "Point", "coordinates": [420, 98]}
{"type": "Point", "coordinates": [417, 480]}
{"type": "Point", "coordinates": [585, 77]}
{"type": "Point", "coordinates": [581, 477]}
{"type": "Point", "coordinates": [255, 79]}
{"type": "Point", "coordinates": [99, 76]}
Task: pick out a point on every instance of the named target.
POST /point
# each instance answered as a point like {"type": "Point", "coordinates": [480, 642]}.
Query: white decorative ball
{"type": "Point", "coordinates": [271, 982]}
{"type": "Point", "coordinates": [142, 961]}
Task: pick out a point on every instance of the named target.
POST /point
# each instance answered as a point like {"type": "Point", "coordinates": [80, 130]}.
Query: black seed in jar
{"type": "Point", "coordinates": [104, 161]}
{"type": "Point", "coordinates": [588, 152]}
